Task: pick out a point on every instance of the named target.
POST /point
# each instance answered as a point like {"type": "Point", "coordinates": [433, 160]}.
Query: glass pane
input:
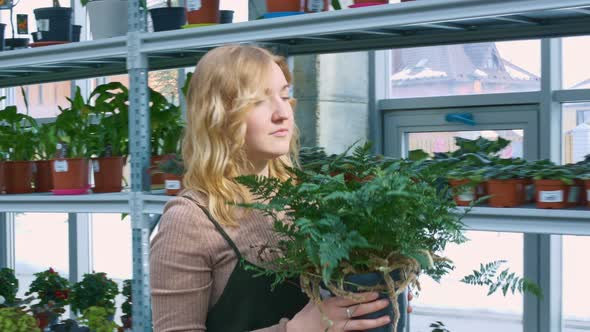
{"type": "Point", "coordinates": [41, 242]}
{"type": "Point", "coordinates": [576, 72]}
{"type": "Point", "coordinates": [43, 99]}
{"type": "Point", "coordinates": [466, 69]}
{"type": "Point", "coordinates": [111, 239]}
{"type": "Point", "coordinates": [462, 307]}
{"type": "Point", "coordinates": [576, 132]}
{"type": "Point", "coordinates": [576, 311]}
{"type": "Point", "coordinates": [445, 141]}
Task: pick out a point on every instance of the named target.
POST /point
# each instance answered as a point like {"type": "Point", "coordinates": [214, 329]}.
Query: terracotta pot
{"type": "Point", "coordinates": [587, 185]}
{"type": "Point", "coordinates": [108, 174]}
{"type": "Point", "coordinates": [19, 177]}
{"type": "Point", "coordinates": [173, 184]}
{"type": "Point", "coordinates": [202, 11]}
{"type": "Point", "coordinates": [506, 193]}
{"type": "Point", "coordinates": [371, 1]}
{"type": "Point", "coordinates": [467, 195]}
{"type": "Point", "coordinates": [2, 178]}
{"type": "Point", "coordinates": [273, 6]}
{"type": "Point", "coordinates": [582, 192]}
{"type": "Point", "coordinates": [551, 194]}
{"type": "Point", "coordinates": [157, 179]}
{"type": "Point", "coordinates": [69, 173]}
{"type": "Point", "coordinates": [43, 177]}
{"type": "Point", "coordinates": [314, 6]}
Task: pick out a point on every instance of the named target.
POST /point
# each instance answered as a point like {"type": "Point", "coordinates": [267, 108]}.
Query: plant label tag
{"type": "Point", "coordinates": [172, 184]}
{"type": "Point", "coordinates": [315, 5]}
{"type": "Point", "coordinates": [60, 166]}
{"type": "Point", "coordinates": [555, 196]}
{"type": "Point", "coordinates": [43, 25]}
{"type": "Point", "coordinates": [530, 192]}
{"type": "Point", "coordinates": [96, 166]}
{"type": "Point", "coordinates": [467, 196]}
{"type": "Point", "coordinates": [574, 194]}
{"type": "Point", "coordinates": [193, 5]}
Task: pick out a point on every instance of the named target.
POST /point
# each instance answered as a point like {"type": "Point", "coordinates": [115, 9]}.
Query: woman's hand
{"type": "Point", "coordinates": [339, 312]}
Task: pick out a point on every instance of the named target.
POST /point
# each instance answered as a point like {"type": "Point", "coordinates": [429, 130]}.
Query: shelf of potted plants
{"type": "Point", "coordinates": [406, 24]}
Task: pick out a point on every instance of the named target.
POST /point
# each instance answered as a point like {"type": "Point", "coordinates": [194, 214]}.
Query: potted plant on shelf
{"type": "Point", "coordinates": [19, 137]}
{"type": "Point", "coordinates": [54, 23]}
{"type": "Point", "coordinates": [202, 11]}
{"type": "Point", "coordinates": [15, 319]}
{"type": "Point", "coordinates": [74, 131]}
{"type": "Point", "coordinates": [552, 186]}
{"type": "Point", "coordinates": [108, 18]}
{"type": "Point", "coordinates": [168, 18]}
{"type": "Point", "coordinates": [127, 306]}
{"type": "Point", "coordinates": [53, 292]}
{"type": "Point", "coordinates": [167, 128]}
{"type": "Point", "coordinates": [8, 286]}
{"type": "Point", "coordinates": [506, 183]}
{"type": "Point", "coordinates": [173, 170]}
{"type": "Point", "coordinates": [45, 151]}
{"type": "Point", "coordinates": [377, 231]}
{"type": "Point", "coordinates": [110, 143]}
{"type": "Point", "coordinates": [94, 290]}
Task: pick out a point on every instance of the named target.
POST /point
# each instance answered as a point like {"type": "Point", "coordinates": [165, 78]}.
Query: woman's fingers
{"type": "Point", "coordinates": [367, 308]}
{"type": "Point", "coordinates": [365, 324]}
{"type": "Point", "coordinates": [346, 302]}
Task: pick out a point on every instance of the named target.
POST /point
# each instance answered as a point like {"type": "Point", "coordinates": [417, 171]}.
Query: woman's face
{"type": "Point", "coordinates": [269, 125]}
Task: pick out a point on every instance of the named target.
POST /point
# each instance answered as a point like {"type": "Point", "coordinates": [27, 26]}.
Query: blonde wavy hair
{"type": "Point", "coordinates": [226, 84]}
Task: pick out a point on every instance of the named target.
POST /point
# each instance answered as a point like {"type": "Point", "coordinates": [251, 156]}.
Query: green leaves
{"type": "Point", "coordinates": [18, 134]}
{"type": "Point", "coordinates": [505, 280]}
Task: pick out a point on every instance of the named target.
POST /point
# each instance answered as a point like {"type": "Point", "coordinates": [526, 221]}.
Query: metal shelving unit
{"type": "Point", "coordinates": [410, 24]}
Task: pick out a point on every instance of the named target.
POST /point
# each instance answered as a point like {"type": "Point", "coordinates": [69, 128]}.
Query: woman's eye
{"type": "Point", "coordinates": [286, 98]}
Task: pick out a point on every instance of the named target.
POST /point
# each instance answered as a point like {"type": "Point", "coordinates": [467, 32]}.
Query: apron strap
{"type": "Point", "coordinates": [217, 226]}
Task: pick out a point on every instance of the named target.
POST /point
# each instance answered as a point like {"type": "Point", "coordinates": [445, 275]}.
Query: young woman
{"type": "Point", "coordinates": [240, 121]}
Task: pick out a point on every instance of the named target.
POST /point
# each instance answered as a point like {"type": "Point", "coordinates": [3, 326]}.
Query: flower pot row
{"type": "Point", "coordinates": [548, 194]}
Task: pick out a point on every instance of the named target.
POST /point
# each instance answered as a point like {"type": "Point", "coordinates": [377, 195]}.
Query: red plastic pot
{"type": "Point", "coordinates": [551, 194]}
{"type": "Point", "coordinates": [202, 11]}
{"type": "Point", "coordinates": [108, 174]}
{"type": "Point", "coordinates": [157, 179]}
{"type": "Point", "coordinates": [466, 195]}
{"type": "Point", "coordinates": [43, 177]}
{"type": "Point", "coordinates": [18, 177]}
{"type": "Point", "coordinates": [274, 6]}
{"type": "Point", "coordinates": [70, 173]}
{"type": "Point", "coordinates": [505, 193]}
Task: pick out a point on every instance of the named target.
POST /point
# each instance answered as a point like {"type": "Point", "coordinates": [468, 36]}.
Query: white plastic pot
{"type": "Point", "coordinates": [108, 18]}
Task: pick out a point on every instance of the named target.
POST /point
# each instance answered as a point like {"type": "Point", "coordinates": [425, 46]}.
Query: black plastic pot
{"type": "Point", "coordinates": [168, 18]}
{"type": "Point", "coordinates": [54, 23]}
{"type": "Point", "coordinates": [373, 279]}
{"type": "Point", "coordinates": [16, 43]}
{"type": "Point", "coordinates": [226, 16]}
{"type": "Point", "coordinates": [76, 29]}
{"type": "Point", "coordinates": [2, 27]}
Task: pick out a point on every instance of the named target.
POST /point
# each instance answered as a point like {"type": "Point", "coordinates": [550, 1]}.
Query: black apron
{"type": "Point", "coordinates": [247, 302]}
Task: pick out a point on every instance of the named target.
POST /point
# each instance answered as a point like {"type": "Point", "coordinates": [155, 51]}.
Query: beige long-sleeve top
{"type": "Point", "coordinates": [190, 263]}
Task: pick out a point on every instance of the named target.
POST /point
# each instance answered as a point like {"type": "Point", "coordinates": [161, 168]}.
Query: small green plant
{"type": "Point", "coordinates": [171, 166]}
{"type": "Point", "coordinates": [489, 275]}
{"type": "Point", "coordinates": [95, 289]}
{"type": "Point", "coordinates": [51, 288]}
{"type": "Point", "coordinates": [554, 172]}
{"type": "Point", "coordinates": [167, 125]}
{"type": "Point", "coordinates": [111, 107]}
{"type": "Point", "coordinates": [47, 141]}
{"type": "Point", "coordinates": [74, 127]}
{"type": "Point", "coordinates": [18, 134]}
{"type": "Point", "coordinates": [8, 286]}
{"type": "Point", "coordinates": [14, 319]}
{"type": "Point", "coordinates": [127, 306]}
{"type": "Point", "coordinates": [98, 319]}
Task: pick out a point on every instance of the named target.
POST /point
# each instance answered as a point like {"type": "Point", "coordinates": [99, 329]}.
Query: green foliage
{"type": "Point", "coordinates": [18, 134]}
{"type": "Point", "coordinates": [98, 319]}
{"type": "Point", "coordinates": [47, 141]}
{"type": "Point", "coordinates": [555, 173]}
{"type": "Point", "coordinates": [17, 320]}
{"type": "Point", "coordinates": [353, 212]}
{"type": "Point", "coordinates": [95, 289]}
{"type": "Point", "coordinates": [126, 307]}
{"type": "Point", "coordinates": [505, 280]}
{"type": "Point", "coordinates": [51, 288]}
{"type": "Point", "coordinates": [74, 127]}
{"type": "Point", "coordinates": [172, 166]}
{"type": "Point", "coordinates": [8, 285]}
{"type": "Point", "coordinates": [112, 109]}
{"type": "Point", "coordinates": [167, 125]}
